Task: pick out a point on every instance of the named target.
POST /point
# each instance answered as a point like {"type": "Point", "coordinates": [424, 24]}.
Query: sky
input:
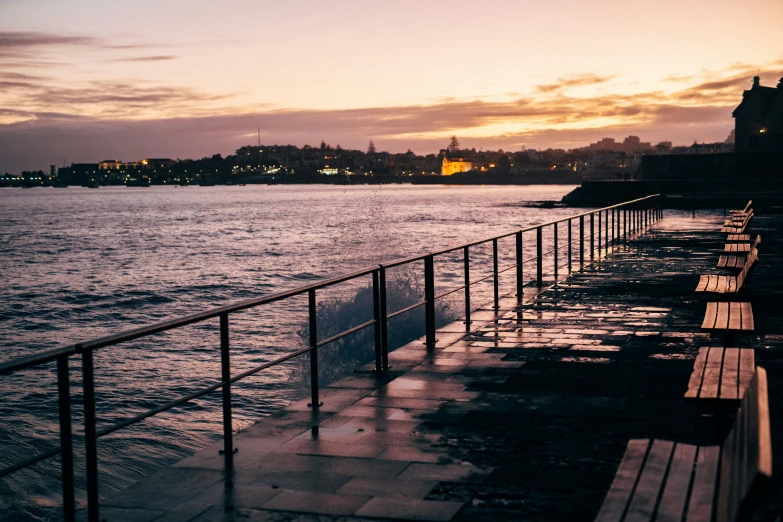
{"type": "Point", "coordinates": [88, 80]}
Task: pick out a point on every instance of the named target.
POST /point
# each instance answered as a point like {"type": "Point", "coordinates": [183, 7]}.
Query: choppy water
{"type": "Point", "coordinates": [81, 263]}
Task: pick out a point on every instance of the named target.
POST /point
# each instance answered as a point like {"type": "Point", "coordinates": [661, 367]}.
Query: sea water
{"type": "Point", "coordinates": [81, 263]}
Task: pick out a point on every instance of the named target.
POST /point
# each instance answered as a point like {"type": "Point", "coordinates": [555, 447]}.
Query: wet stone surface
{"type": "Point", "coordinates": [525, 418]}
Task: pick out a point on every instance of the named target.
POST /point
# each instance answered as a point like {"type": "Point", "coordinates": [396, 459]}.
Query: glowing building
{"type": "Point", "coordinates": [453, 165]}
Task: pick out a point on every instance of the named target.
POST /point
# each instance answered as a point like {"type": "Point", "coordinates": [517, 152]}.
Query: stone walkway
{"type": "Point", "coordinates": [526, 418]}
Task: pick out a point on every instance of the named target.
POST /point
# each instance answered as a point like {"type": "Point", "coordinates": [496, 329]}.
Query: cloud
{"type": "Point", "coordinates": [21, 43]}
{"type": "Point", "coordinates": [157, 58]}
{"type": "Point", "coordinates": [577, 80]}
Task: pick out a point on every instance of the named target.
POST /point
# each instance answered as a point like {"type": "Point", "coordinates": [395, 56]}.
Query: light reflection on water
{"type": "Point", "coordinates": [80, 263]}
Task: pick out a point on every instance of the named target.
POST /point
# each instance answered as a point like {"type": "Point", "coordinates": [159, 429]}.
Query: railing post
{"type": "Point", "coordinates": [384, 318]}
{"type": "Point", "coordinates": [225, 372]}
{"type": "Point", "coordinates": [376, 315]}
{"type": "Point", "coordinates": [539, 257]}
{"type": "Point", "coordinates": [66, 438]}
{"type": "Point", "coordinates": [429, 298]}
{"type": "Point", "coordinates": [570, 245]}
{"type": "Point", "coordinates": [599, 234]}
{"type": "Point", "coordinates": [613, 227]}
{"type": "Point", "coordinates": [90, 436]}
{"type": "Point", "coordinates": [581, 241]}
{"type": "Point", "coordinates": [466, 264]}
{"type": "Point", "coordinates": [495, 273]}
{"type": "Point", "coordinates": [555, 250]}
{"type": "Point", "coordinates": [592, 236]}
{"type": "Point", "coordinates": [313, 314]}
{"type": "Point", "coordinates": [606, 232]}
{"type": "Point", "coordinates": [625, 224]}
{"type": "Point", "coordinates": [520, 281]}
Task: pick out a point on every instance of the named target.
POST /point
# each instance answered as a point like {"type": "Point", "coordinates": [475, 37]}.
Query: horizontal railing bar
{"type": "Point", "coordinates": [347, 332]}
{"type": "Point", "coordinates": [460, 288]}
{"type": "Point", "coordinates": [407, 260]}
{"type": "Point", "coordinates": [474, 243]}
{"type": "Point", "coordinates": [163, 326]}
{"type": "Point", "coordinates": [269, 364]}
{"type": "Point", "coordinates": [36, 359]}
{"type": "Point", "coordinates": [406, 309]}
{"type": "Point", "coordinates": [29, 462]}
{"type": "Point", "coordinates": [454, 291]}
{"type": "Point", "coordinates": [594, 211]}
{"type": "Point", "coordinates": [216, 312]}
{"type": "Point", "coordinates": [196, 394]}
{"type": "Point", "coordinates": [159, 409]}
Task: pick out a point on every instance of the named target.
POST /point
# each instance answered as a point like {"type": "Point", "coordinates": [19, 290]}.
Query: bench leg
{"type": "Point", "coordinates": [721, 421]}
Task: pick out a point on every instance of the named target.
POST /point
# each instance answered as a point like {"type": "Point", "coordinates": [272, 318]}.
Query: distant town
{"type": "Point", "coordinates": [327, 164]}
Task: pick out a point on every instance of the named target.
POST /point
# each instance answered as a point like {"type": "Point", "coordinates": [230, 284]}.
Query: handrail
{"type": "Point", "coordinates": [634, 219]}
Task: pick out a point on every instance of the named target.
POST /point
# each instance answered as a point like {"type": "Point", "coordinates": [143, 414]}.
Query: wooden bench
{"type": "Point", "coordinates": [725, 284]}
{"type": "Point", "coordinates": [737, 227]}
{"type": "Point", "coordinates": [738, 262]}
{"type": "Point", "coordinates": [721, 373]}
{"type": "Point", "coordinates": [660, 480]}
{"type": "Point", "coordinates": [737, 317]}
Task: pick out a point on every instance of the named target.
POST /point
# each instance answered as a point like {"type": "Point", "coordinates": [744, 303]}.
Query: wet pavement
{"type": "Point", "coordinates": [525, 418]}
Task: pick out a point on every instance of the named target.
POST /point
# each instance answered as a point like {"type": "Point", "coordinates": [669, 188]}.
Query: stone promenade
{"type": "Point", "coordinates": [525, 418]}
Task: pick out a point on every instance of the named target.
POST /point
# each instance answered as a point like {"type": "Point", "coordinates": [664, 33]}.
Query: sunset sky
{"type": "Point", "coordinates": [87, 80]}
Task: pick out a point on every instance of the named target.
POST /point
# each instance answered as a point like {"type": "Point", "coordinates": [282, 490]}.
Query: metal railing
{"type": "Point", "coordinates": [619, 222]}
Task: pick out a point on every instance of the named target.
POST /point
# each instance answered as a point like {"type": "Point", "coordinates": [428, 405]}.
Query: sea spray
{"type": "Point", "coordinates": [343, 356]}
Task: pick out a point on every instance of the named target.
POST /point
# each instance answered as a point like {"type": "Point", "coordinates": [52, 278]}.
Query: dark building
{"type": "Point", "coordinates": [79, 174]}
{"type": "Point", "coordinates": [758, 119]}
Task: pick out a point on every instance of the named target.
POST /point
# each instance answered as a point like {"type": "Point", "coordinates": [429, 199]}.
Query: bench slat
{"type": "Point", "coordinates": [703, 491]}
{"type": "Point", "coordinates": [722, 319]}
{"type": "Point", "coordinates": [709, 316]}
{"type": "Point", "coordinates": [710, 385]}
{"type": "Point", "coordinates": [650, 482]}
{"type": "Point", "coordinates": [747, 365]}
{"type": "Point", "coordinates": [735, 316]}
{"type": "Point", "coordinates": [729, 380]}
{"type": "Point", "coordinates": [747, 317]}
{"type": "Point", "coordinates": [712, 285]}
{"type": "Point", "coordinates": [624, 481]}
{"type": "Point", "coordinates": [694, 385]}
{"type": "Point", "coordinates": [678, 481]}
{"type": "Point", "coordinates": [703, 280]}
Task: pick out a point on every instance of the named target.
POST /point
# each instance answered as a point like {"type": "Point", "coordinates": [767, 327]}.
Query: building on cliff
{"type": "Point", "coordinates": [758, 119]}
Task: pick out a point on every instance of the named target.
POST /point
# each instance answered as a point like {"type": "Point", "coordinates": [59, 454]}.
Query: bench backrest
{"type": "Point", "coordinates": [746, 454]}
{"type": "Point", "coordinates": [745, 222]}
{"type": "Point", "coordinates": [750, 202]}
{"type": "Point", "coordinates": [752, 257]}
